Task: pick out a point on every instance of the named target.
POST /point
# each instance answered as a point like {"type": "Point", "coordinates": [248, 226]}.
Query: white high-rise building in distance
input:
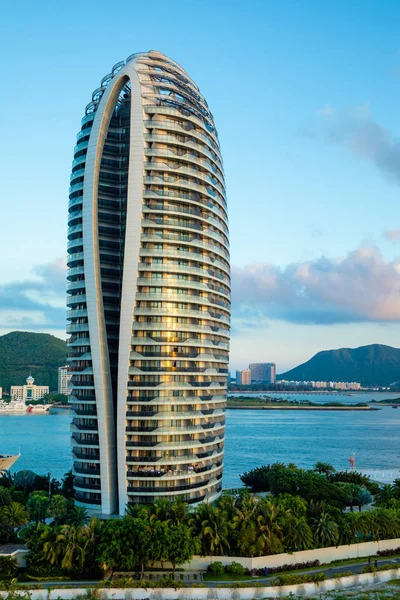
{"type": "Point", "coordinates": [243, 377]}
{"type": "Point", "coordinates": [64, 378]}
{"type": "Point", "coordinates": [148, 291]}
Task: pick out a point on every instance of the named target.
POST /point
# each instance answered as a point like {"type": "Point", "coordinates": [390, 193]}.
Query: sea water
{"type": "Point", "coordinates": [253, 438]}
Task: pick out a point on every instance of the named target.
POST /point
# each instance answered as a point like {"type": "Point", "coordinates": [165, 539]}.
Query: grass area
{"type": "Point", "coordinates": [395, 582]}
{"type": "Point", "coordinates": [227, 577]}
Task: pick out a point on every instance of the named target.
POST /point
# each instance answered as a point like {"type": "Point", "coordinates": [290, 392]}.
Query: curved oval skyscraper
{"type": "Point", "coordinates": [148, 291]}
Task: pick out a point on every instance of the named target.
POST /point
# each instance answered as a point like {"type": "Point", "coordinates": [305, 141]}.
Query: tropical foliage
{"type": "Point", "coordinates": [302, 510]}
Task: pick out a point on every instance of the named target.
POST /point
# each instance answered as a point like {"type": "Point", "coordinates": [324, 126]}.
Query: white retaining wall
{"type": "Point", "coordinates": [257, 593]}
{"type": "Point", "coordinates": [324, 555]}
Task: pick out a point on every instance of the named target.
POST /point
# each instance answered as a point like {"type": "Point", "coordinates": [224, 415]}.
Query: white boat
{"type": "Point", "coordinates": [12, 407]}
{"type": "Point", "coordinates": [38, 408]}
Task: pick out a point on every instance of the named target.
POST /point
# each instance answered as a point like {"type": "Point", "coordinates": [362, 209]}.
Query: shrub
{"type": "Point", "coordinates": [284, 568]}
{"type": "Point", "coordinates": [216, 568]}
{"type": "Point", "coordinates": [296, 579]}
{"type": "Point", "coordinates": [389, 552]}
{"type": "Point", "coordinates": [343, 574]}
{"type": "Point", "coordinates": [8, 565]}
{"type": "Point", "coordinates": [235, 568]}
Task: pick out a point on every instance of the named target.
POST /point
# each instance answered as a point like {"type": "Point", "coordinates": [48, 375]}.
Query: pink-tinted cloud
{"type": "Point", "coordinates": [392, 235]}
{"type": "Point", "coordinates": [362, 286]}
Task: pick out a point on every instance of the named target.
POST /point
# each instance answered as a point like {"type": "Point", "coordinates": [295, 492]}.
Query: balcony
{"type": "Point", "coordinates": [89, 472]}
{"type": "Point", "coordinates": [82, 498]}
{"type": "Point", "coordinates": [165, 489]}
{"type": "Point", "coordinates": [86, 486]}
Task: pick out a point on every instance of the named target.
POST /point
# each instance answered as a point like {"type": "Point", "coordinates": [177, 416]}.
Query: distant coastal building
{"type": "Point", "coordinates": [30, 391]}
{"type": "Point", "coordinates": [64, 377]}
{"type": "Point", "coordinates": [1, 393]}
{"type": "Point", "coordinates": [263, 372]}
{"type": "Point", "coordinates": [243, 377]}
{"type": "Point", "coordinates": [326, 385]}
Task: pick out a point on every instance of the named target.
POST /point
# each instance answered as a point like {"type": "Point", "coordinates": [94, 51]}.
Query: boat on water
{"type": "Point", "coordinates": [38, 408]}
{"type": "Point", "coordinates": [19, 406]}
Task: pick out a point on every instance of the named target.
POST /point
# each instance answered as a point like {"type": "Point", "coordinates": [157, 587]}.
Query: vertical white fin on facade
{"type": "Point", "coordinates": [130, 269]}
{"type": "Point", "coordinates": [94, 299]}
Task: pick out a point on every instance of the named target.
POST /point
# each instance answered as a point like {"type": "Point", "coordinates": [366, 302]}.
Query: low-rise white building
{"type": "Point", "coordinates": [30, 391]}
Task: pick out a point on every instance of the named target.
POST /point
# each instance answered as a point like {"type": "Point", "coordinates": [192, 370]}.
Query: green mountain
{"type": "Point", "coordinates": [22, 352]}
{"type": "Point", "coordinates": [370, 365]}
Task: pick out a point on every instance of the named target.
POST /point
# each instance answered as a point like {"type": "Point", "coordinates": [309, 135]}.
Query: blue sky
{"type": "Point", "coordinates": [306, 98]}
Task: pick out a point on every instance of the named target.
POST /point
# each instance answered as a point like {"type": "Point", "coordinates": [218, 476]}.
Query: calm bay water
{"type": "Point", "coordinates": [253, 438]}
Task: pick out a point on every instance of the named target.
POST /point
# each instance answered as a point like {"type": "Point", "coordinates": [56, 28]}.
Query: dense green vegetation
{"type": "Point", "coordinates": [257, 401]}
{"type": "Point", "coordinates": [304, 509]}
{"type": "Point", "coordinates": [387, 401]}
{"type": "Point", "coordinates": [22, 352]}
{"type": "Point", "coordinates": [371, 365]}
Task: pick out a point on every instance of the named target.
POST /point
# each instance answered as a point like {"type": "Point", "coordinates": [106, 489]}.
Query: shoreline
{"type": "Point", "coordinates": [345, 408]}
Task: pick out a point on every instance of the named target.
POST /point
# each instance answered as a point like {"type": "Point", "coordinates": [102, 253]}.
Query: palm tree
{"type": "Point", "coordinates": [296, 533]}
{"type": "Point", "coordinates": [52, 547]}
{"type": "Point", "coordinates": [269, 532]}
{"type": "Point", "coordinates": [5, 496]}
{"type": "Point", "coordinates": [209, 525]}
{"type": "Point", "coordinates": [324, 467]}
{"type": "Point", "coordinates": [385, 494]}
{"type": "Point", "coordinates": [161, 510]}
{"type": "Point", "coordinates": [179, 511]}
{"type": "Point", "coordinates": [244, 525]}
{"type": "Point", "coordinates": [72, 543]}
{"type": "Point", "coordinates": [78, 516]}
{"type": "Point", "coordinates": [326, 531]}
{"type": "Point", "coordinates": [15, 514]}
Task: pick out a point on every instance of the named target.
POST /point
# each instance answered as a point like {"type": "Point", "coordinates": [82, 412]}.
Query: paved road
{"type": "Point", "coordinates": [329, 571]}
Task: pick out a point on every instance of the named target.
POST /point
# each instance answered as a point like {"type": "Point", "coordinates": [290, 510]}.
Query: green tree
{"type": "Point", "coordinates": [363, 497]}
{"type": "Point", "coordinates": [72, 541]}
{"type": "Point", "coordinates": [25, 480]}
{"type": "Point", "coordinates": [78, 516]}
{"type": "Point", "coordinates": [326, 531]}
{"type": "Point", "coordinates": [324, 468]}
{"type": "Point", "coordinates": [257, 479]}
{"type": "Point", "coordinates": [37, 505]}
{"type": "Point", "coordinates": [15, 514]}
{"type": "Point", "coordinates": [209, 525]}
{"type": "Point", "coordinates": [52, 548]}
{"type": "Point", "coordinates": [181, 545]}
{"type": "Point", "coordinates": [385, 494]}
{"type": "Point", "coordinates": [269, 530]}
{"type": "Point", "coordinates": [8, 565]}
{"type": "Point", "coordinates": [58, 507]}
{"type": "Point", "coordinates": [5, 497]}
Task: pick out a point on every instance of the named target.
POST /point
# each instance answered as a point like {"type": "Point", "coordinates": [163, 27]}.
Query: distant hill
{"type": "Point", "coordinates": [22, 352]}
{"type": "Point", "coordinates": [370, 365]}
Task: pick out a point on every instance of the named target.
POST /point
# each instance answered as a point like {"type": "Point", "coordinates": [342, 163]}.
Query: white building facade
{"type": "Point", "coordinates": [29, 392]}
